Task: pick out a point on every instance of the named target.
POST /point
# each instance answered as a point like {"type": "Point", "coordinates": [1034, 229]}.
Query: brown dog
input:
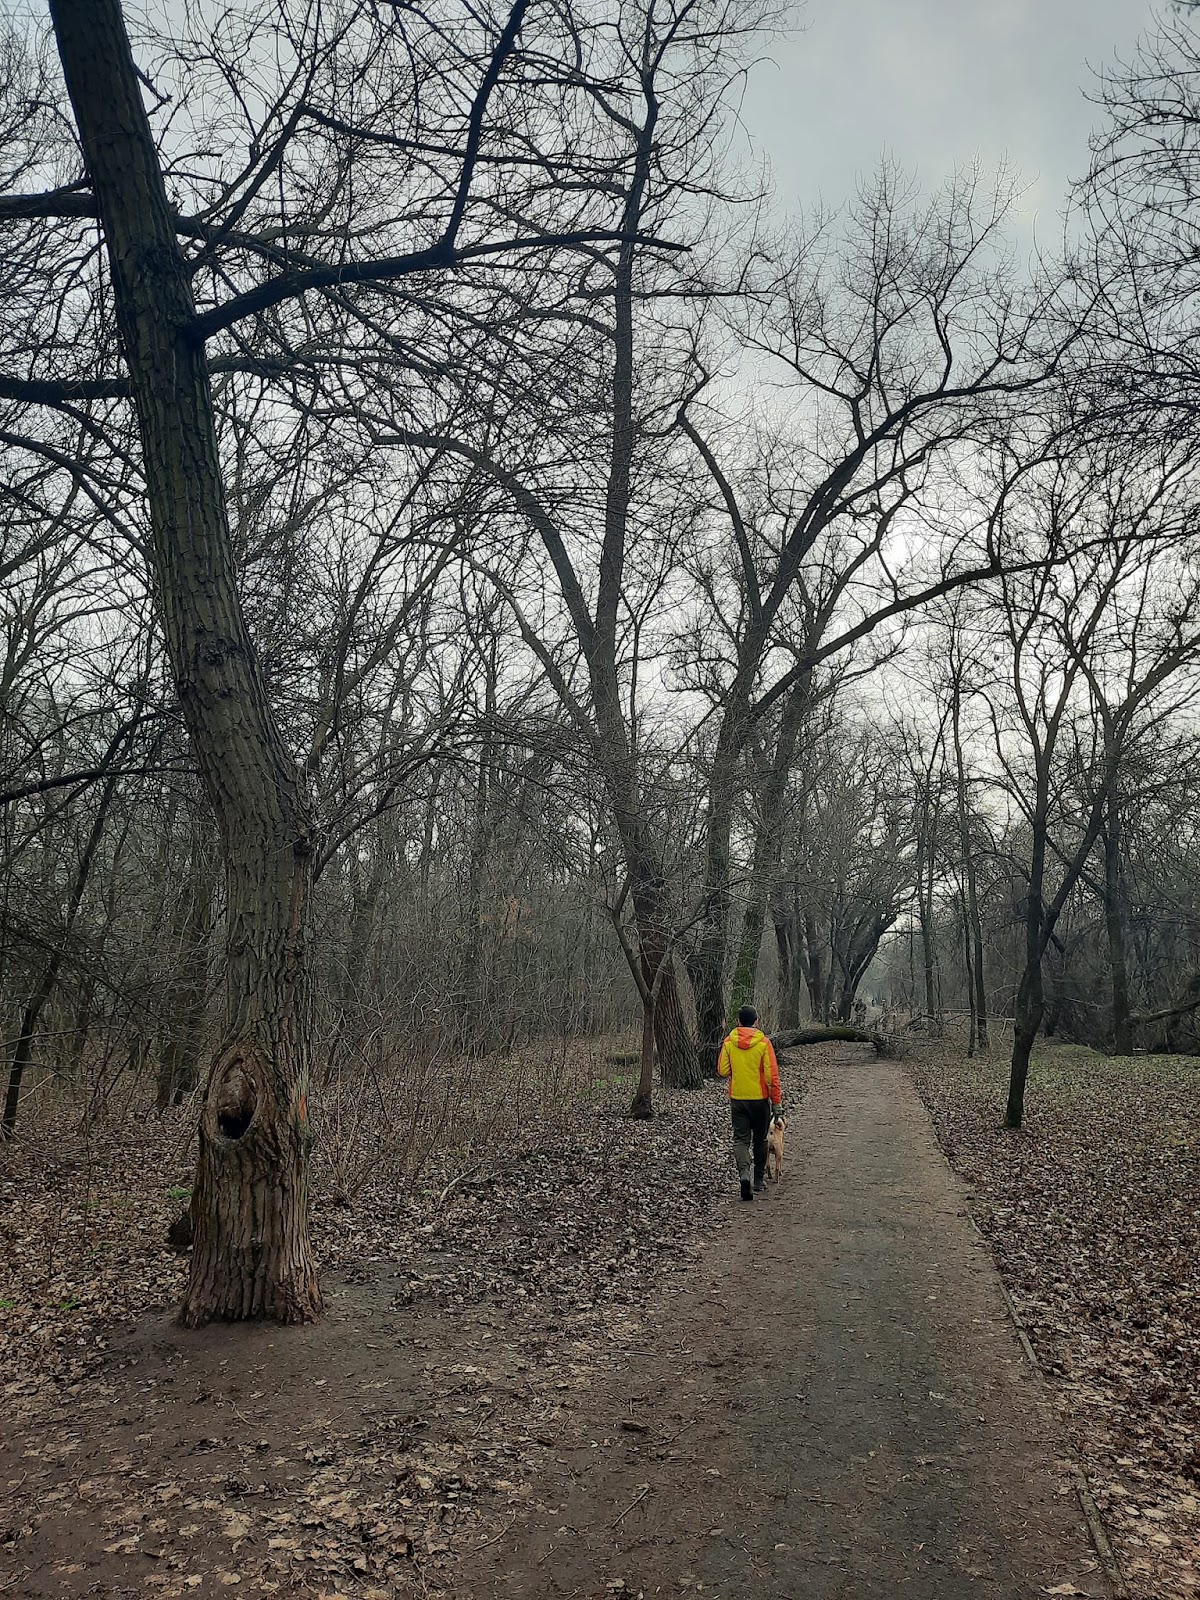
{"type": "Point", "coordinates": [775, 1147]}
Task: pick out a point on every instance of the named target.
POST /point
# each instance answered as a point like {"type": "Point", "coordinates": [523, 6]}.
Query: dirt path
{"type": "Point", "coordinates": [836, 1409]}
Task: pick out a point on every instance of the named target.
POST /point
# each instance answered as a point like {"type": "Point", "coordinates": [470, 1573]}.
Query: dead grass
{"type": "Point", "coordinates": [85, 1201]}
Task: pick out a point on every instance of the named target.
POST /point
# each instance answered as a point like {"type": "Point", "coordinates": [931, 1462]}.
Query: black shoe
{"type": "Point", "coordinates": [759, 1185]}
{"type": "Point", "coordinates": [747, 1191]}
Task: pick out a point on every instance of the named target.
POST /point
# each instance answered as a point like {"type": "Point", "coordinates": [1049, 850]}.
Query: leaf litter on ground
{"type": "Point", "coordinates": [1092, 1212]}
{"type": "Point", "coordinates": [471, 1312]}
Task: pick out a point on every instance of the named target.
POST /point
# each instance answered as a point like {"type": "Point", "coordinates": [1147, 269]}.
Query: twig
{"type": "Point", "coordinates": [454, 1183]}
{"type": "Point", "coordinates": [496, 1538]}
{"type": "Point", "coordinates": [636, 1501]}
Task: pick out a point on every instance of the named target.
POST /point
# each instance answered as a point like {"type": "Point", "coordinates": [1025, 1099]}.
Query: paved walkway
{"type": "Point", "coordinates": [838, 1409]}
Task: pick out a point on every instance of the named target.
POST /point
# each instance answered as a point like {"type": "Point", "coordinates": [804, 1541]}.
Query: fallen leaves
{"type": "Point", "coordinates": [477, 1312]}
{"type": "Point", "coordinates": [1092, 1212]}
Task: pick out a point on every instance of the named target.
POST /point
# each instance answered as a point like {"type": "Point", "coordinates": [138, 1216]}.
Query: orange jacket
{"type": "Point", "coordinates": [748, 1061]}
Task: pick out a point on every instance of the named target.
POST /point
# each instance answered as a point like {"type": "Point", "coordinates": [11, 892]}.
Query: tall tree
{"type": "Point", "coordinates": [601, 490]}
{"type": "Point", "coordinates": [897, 339]}
{"type": "Point", "coordinates": [252, 1255]}
{"type": "Point", "coordinates": [1105, 519]}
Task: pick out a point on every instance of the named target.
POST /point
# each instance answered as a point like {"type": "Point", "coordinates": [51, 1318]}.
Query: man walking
{"type": "Point", "coordinates": [748, 1061]}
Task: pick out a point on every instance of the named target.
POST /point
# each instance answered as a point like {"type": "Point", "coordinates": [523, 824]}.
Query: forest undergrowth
{"type": "Point", "coordinates": [1092, 1212]}
{"type": "Point", "coordinates": [482, 1274]}
{"type": "Point", "coordinates": [87, 1195]}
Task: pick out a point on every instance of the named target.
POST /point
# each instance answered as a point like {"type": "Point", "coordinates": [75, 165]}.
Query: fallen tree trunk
{"type": "Point", "coordinates": [793, 1038]}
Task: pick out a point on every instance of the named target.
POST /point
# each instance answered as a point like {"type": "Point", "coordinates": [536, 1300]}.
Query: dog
{"type": "Point", "coordinates": [775, 1147]}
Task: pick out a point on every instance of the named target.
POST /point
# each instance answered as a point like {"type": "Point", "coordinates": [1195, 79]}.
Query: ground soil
{"type": "Point", "coordinates": [820, 1394]}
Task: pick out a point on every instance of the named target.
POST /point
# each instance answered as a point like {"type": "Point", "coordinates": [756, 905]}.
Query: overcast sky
{"type": "Point", "coordinates": [936, 83]}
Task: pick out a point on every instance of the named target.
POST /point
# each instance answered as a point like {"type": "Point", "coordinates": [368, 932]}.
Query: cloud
{"type": "Point", "coordinates": [937, 83]}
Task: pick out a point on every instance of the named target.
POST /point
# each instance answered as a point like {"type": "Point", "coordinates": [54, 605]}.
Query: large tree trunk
{"type": "Point", "coordinates": [795, 1038]}
{"type": "Point", "coordinates": [680, 1067]}
{"type": "Point", "coordinates": [1030, 999]}
{"type": "Point", "coordinates": [617, 738]}
{"type": "Point", "coordinates": [768, 844]}
{"type": "Point", "coordinates": [845, 1004]}
{"type": "Point", "coordinates": [1114, 920]}
{"type": "Point", "coordinates": [642, 1104]}
{"type": "Point", "coordinates": [975, 977]}
{"type": "Point", "coordinates": [818, 978]}
{"type": "Point", "coordinates": [787, 955]}
{"type": "Point", "coordinates": [707, 971]}
{"type": "Point", "coordinates": [1029, 1007]}
{"type": "Point", "coordinates": [652, 967]}
{"type": "Point", "coordinates": [677, 1057]}
{"type": "Point", "coordinates": [678, 1063]}
{"type": "Point", "coordinates": [250, 1200]}
{"type": "Point", "coordinates": [712, 945]}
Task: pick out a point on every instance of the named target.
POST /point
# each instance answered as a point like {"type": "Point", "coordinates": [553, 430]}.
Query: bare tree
{"type": "Point", "coordinates": [1119, 515]}
{"type": "Point", "coordinates": [249, 1204]}
{"type": "Point", "coordinates": [898, 340]}
{"type": "Point", "coordinates": [600, 489]}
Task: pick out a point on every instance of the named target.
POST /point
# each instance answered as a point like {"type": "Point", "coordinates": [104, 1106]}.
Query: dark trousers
{"type": "Point", "coordinates": [751, 1121]}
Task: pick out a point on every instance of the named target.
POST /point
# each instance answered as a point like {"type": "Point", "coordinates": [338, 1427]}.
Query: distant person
{"type": "Point", "coordinates": [748, 1061]}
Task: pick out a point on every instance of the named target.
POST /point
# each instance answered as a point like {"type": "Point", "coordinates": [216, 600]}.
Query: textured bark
{"type": "Point", "coordinates": [787, 958]}
{"type": "Point", "coordinates": [676, 1052]}
{"type": "Point", "coordinates": [712, 943]}
{"type": "Point", "coordinates": [768, 844]}
{"type": "Point", "coordinates": [616, 739]}
{"type": "Point", "coordinates": [794, 1038]}
{"type": "Point", "coordinates": [818, 978]}
{"type": "Point", "coordinates": [249, 1202]}
{"type": "Point", "coordinates": [652, 969]}
{"type": "Point", "coordinates": [642, 1105]}
{"type": "Point", "coordinates": [1028, 1016]}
